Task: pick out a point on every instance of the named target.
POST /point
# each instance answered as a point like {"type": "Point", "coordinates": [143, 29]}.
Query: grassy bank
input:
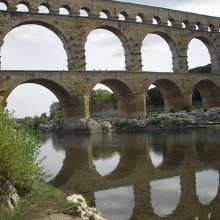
{"type": "Point", "coordinates": [41, 201]}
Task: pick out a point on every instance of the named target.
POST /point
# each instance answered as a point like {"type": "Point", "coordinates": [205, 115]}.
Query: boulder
{"type": "Point", "coordinates": [83, 210]}
{"type": "Point", "coordinates": [8, 196]}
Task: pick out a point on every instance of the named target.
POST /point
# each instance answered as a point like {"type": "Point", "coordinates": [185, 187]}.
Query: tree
{"type": "Point", "coordinates": [102, 100]}
{"type": "Point", "coordinates": [19, 152]}
{"type": "Point", "coordinates": [55, 111]}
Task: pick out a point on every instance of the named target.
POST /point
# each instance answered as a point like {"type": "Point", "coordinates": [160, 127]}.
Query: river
{"type": "Point", "coordinates": [167, 174]}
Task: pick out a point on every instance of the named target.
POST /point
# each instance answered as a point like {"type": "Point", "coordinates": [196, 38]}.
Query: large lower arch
{"type": "Point", "coordinates": [129, 104]}
{"type": "Point", "coordinates": [65, 99]}
{"type": "Point", "coordinates": [172, 95]}
{"type": "Point", "coordinates": [61, 36]}
{"type": "Point", "coordinates": [209, 92]}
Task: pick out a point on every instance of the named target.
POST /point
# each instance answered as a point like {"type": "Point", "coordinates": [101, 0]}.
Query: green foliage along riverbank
{"type": "Point", "coordinates": [19, 150]}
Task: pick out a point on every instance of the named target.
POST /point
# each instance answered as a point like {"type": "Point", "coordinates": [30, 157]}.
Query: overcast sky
{"type": "Point", "coordinates": [32, 47]}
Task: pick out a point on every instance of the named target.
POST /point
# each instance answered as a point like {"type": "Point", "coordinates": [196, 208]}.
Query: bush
{"type": "Point", "coordinates": [187, 108]}
{"type": "Point", "coordinates": [19, 151]}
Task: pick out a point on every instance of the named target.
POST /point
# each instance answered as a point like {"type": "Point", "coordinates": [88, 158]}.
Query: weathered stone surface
{"type": "Point", "coordinates": [82, 210]}
{"type": "Point", "coordinates": [106, 126]}
{"type": "Point", "coordinates": [9, 198]}
{"type": "Point", "coordinates": [79, 125]}
{"type": "Point", "coordinates": [178, 120]}
{"type": "Point", "coordinates": [73, 87]}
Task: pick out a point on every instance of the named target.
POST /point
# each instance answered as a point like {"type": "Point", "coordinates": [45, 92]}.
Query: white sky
{"type": "Point", "coordinates": [33, 47]}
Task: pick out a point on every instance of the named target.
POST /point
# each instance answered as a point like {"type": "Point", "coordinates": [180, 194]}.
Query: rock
{"type": "Point", "coordinates": [82, 210]}
{"type": "Point", "coordinates": [8, 196]}
{"type": "Point", "coordinates": [106, 126]}
{"type": "Point", "coordinates": [77, 125]}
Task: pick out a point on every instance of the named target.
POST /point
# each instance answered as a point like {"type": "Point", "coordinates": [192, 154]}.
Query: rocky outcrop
{"type": "Point", "coordinates": [8, 196]}
{"type": "Point", "coordinates": [77, 125]}
{"type": "Point", "coordinates": [83, 211]}
{"type": "Point", "coordinates": [180, 120]}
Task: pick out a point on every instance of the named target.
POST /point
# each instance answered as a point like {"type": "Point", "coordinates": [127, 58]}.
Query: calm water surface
{"type": "Point", "coordinates": [163, 175]}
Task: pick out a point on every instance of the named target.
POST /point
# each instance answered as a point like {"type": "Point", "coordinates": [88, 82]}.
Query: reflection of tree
{"type": "Point", "coordinates": [104, 152]}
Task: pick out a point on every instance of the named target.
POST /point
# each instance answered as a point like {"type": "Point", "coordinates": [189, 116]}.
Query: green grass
{"type": "Point", "coordinates": [42, 200]}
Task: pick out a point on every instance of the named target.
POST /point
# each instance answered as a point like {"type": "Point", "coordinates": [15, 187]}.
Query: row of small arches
{"type": "Point", "coordinates": [45, 8]}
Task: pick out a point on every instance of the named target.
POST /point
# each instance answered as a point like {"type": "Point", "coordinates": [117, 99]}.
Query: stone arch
{"type": "Point", "coordinates": [123, 94]}
{"type": "Point", "coordinates": [67, 8]}
{"type": "Point", "coordinates": [46, 6]}
{"type": "Point", "coordinates": [211, 49]}
{"type": "Point", "coordinates": [156, 20]}
{"type": "Point", "coordinates": [25, 3]}
{"type": "Point", "coordinates": [124, 16]}
{"type": "Point", "coordinates": [209, 92]}
{"type": "Point", "coordinates": [185, 24]}
{"type": "Point", "coordinates": [171, 93]}
{"type": "Point", "coordinates": [85, 10]}
{"type": "Point", "coordinates": [119, 34]}
{"type": "Point", "coordinates": [52, 28]}
{"type": "Point", "coordinates": [173, 48]}
{"type": "Point", "coordinates": [171, 22]}
{"type": "Point", "coordinates": [58, 90]}
{"type": "Point", "coordinates": [5, 3]}
{"type": "Point", "coordinates": [104, 52]}
{"type": "Point", "coordinates": [106, 13]}
{"type": "Point", "coordinates": [140, 18]}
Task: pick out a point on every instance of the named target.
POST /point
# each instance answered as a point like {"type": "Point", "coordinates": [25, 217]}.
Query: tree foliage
{"type": "Point", "coordinates": [19, 151]}
{"type": "Point", "coordinates": [55, 111]}
{"type": "Point", "coordinates": [102, 100]}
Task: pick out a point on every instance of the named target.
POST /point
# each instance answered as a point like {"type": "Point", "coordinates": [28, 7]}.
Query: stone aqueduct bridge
{"type": "Point", "coordinates": [73, 87]}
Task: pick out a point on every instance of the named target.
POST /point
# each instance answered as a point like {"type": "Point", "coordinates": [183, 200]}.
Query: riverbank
{"type": "Point", "coordinates": [44, 202]}
{"type": "Point", "coordinates": [163, 121]}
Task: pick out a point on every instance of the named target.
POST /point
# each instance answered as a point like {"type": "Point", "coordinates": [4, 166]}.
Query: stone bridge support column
{"type": "Point", "coordinates": [132, 106]}
{"type": "Point", "coordinates": [76, 51]}
{"type": "Point", "coordinates": [133, 58]}
{"type": "Point", "coordinates": [77, 106]}
{"type": "Point", "coordinates": [180, 63]}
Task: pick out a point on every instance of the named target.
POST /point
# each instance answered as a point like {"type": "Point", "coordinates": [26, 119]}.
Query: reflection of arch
{"type": "Point", "coordinates": [209, 92]}
{"type": "Point", "coordinates": [171, 93]}
{"type": "Point", "coordinates": [123, 94]}
{"type": "Point", "coordinates": [160, 192]}
{"type": "Point", "coordinates": [207, 190]}
{"type": "Point", "coordinates": [211, 49]}
{"type": "Point", "coordinates": [52, 28]}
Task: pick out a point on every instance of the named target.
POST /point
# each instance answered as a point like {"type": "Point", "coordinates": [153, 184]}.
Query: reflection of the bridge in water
{"type": "Point", "coordinates": [175, 176]}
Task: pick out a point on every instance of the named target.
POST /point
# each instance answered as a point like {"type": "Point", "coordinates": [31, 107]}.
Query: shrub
{"type": "Point", "coordinates": [19, 151]}
{"type": "Point", "coordinates": [187, 108]}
